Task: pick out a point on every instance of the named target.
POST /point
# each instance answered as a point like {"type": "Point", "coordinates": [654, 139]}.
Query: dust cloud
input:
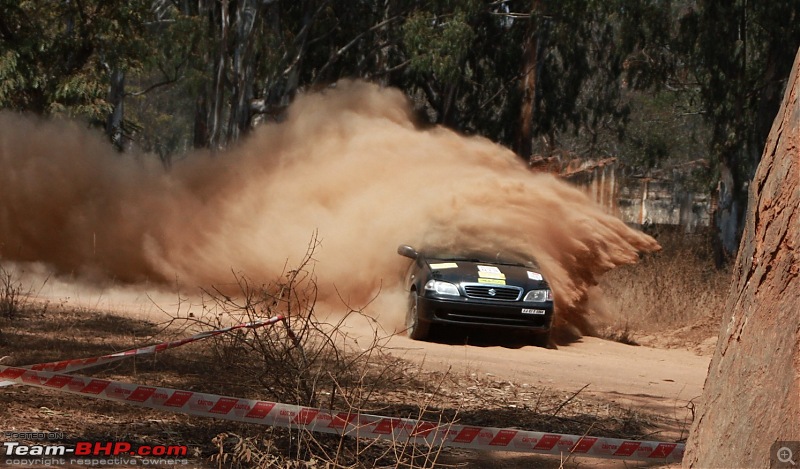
{"type": "Point", "coordinates": [348, 163]}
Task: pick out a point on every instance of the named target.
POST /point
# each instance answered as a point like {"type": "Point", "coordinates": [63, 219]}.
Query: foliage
{"type": "Point", "coordinates": [217, 71]}
{"type": "Point", "coordinates": [581, 75]}
{"type": "Point", "coordinates": [739, 55]}
{"type": "Point", "coordinates": [625, 78]}
{"type": "Point", "coordinates": [665, 129]}
{"type": "Point", "coordinates": [56, 57]}
{"type": "Point", "coordinates": [437, 45]}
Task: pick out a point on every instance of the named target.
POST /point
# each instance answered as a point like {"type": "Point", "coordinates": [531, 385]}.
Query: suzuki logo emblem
{"type": "Point", "coordinates": [492, 292]}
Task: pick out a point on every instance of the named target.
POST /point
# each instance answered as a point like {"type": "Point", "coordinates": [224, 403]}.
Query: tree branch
{"type": "Point", "coordinates": [335, 56]}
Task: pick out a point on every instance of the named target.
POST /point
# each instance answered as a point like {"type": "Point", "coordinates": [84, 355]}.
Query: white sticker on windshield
{"type": "Point", "coordinates": [534, 275]}
{"type": "Point", "coordinates": [489, 269]}
{"type": "Point", "coordinates": [500, 276]}
{"type": "Point", "coordinates": [445, 265]}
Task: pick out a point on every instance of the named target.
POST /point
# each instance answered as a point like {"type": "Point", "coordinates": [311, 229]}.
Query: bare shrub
{"type": "Point", "coordinates": [306, 361]}
{"type": "Point", "coordinates": [12, 296]}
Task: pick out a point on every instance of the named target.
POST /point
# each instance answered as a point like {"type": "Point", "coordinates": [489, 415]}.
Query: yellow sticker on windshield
{"type": "Point", "coordinates": [445, 265]}
{"type": "Point", "coordinates": [492, 281]}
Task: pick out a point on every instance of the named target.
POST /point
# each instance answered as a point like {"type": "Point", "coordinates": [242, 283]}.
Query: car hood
{"type": "Point", "coordinates": [457, 271]}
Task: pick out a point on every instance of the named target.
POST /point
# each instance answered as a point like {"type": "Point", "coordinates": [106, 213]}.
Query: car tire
{"type": "Point", "coordinates": [415, 329]}
{"type": "Point", "coordinates": [541, 339]}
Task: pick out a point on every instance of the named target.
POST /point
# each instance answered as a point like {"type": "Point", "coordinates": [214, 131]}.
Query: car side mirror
{"type": "Point", "coordinates": [407, 251]}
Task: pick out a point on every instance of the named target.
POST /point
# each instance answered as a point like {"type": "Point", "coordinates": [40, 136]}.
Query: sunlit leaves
{"type": "Point", "coordinates": [438, 44]}
{"type": "Point", "coordinates": [55, 57]}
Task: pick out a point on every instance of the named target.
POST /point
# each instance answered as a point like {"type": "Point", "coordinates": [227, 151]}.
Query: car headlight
{"type": "Point", "coordinates": [442, 288]}
{"type": "Point", "coordinates": [538, 296]}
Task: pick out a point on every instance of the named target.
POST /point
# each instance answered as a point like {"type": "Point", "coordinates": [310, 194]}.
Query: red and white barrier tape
{"type": "Point", "coordinates": [68, 366]}
{"type": "Point", "coordinates": [318, 420]}
{"type": "Point", "coordinates": [352, 424]}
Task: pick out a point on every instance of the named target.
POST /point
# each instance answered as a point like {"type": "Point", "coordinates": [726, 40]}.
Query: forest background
{"type": "Point", "coordinates": [653, 83]}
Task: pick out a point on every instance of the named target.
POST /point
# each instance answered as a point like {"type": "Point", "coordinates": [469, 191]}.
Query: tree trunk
{"type": "Point", "coordinates": [528, 86]}
{"type": "Point", "coordinates": [201, 137]}
{"type": "Point", "coordinates": [728, 215]}
{"type": "Point", "coordinates": [222, 22]}
{"type": "Point", "coordinates": [532, 65]}
{"type": "Point", "coordinates": [116, 96]}
{"type": "Point", "coordinates": [242, 72]}
{"type": "Point", "coordinates": [752, 393]}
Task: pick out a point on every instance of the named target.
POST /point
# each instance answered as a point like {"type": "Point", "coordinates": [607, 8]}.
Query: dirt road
{"type": "Point", "coordinates": [635, 373]}
{"type": "Point", "coordinates": [663, 384]}
{"type": "Point", "coordinates": [655, 380]}
{"type": "Point", "coordinates": [651, 379]}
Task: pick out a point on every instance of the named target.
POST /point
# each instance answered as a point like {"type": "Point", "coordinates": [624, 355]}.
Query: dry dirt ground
{"type": "Point", "coordinates": [592, 386]}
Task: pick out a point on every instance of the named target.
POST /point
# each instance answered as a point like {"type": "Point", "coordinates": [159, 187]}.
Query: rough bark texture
{"type": "Point", "coordinates": [752, 392]}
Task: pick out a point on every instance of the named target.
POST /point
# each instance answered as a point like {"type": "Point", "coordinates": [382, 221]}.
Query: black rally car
{"type": "Point", "coordinates": [476, 289]}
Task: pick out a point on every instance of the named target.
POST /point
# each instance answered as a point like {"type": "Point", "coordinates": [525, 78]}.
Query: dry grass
{"type": "Point", "coordinates": [12, 296]}
{"type": "Point", "coordinates": [675, 290]}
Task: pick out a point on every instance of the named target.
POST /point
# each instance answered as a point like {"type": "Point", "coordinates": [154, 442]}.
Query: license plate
{"type": "Point", "coordinates": [532, 311]}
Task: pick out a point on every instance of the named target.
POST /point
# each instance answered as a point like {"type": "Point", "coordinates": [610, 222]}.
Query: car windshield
{"type": "Point", "coordinates": [501, 257]}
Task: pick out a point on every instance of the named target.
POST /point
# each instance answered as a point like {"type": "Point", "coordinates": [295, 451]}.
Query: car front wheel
{"type": "Point", "coordinates": [415, 329]}
{"type": "Point", "coordinates": [541, 339]}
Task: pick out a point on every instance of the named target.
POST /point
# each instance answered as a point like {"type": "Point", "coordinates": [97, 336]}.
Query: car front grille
{"type": "Point", "coordinates": [493, 292]}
